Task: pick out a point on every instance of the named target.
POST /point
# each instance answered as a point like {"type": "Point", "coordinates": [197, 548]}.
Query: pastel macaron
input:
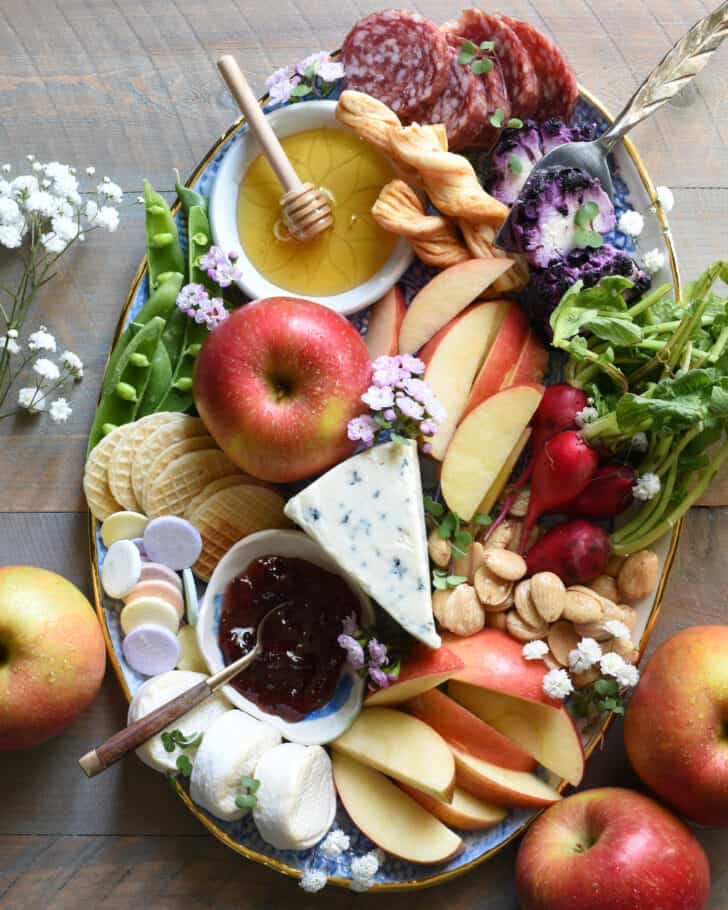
{"type": "Point", "coordinates": [151, 649]}
{"type": "Point", "coordinates": [149, 610]}
{"type": "Point", "coordinates": [123, 526]}
{"type": "Point", "coordinates": [161, 589]}
{"type": "Point", "coordinates": [155, 571]}
{"type": "Point", "coordinates": [121, 568]}
{"type": "Point", "coordinates": [172, 541]}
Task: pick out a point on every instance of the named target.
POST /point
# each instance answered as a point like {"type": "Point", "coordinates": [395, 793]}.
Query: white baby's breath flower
{"type": "Point", "coordinates": [41, 202]}
{"type": "Point", "coordinates": [90, 170]}
{"type": "Point", "coordinates": [62, 181]}
{"type": "Point", "coordinates": [665, 198]}
{"type": "Point", "coordinates": [139, 200]}
{"type": "Point", "coordinates": [12, 333]}
{"type": "Point", "coordinates": [363, 870]}
{"type": "Point", "coordinates": [313, 880]}
{"type": "Point", "coordinates": [585, 415]}
{"type": "Point", "coordinates": [110, 190]}
{"type": "Point", "coordinates": [335, 843]}
{"type": "Point", "coordinates": [6, 168]}
{"type": "Point", "coordinates": [639, 442]}
{"type": "Point", "coordinates": [10, 211]}
{"type": "Point", "coordinates": [107, 217]}
{"type": "Point", "coordinates": [9, 344]}
{"type": "Point", "coordinates": [534, 650]}
{"type": "Point", "coordinates": [64, 227]}
{"type": "Point", "coordinates": [60, 410]}
{"type": "Point", "coordinates": [73, 363]}
{"type": "Point", "coordinates": [557, 684]}
{"type": "Point", "coordinates": [631, 222]}
{"type": "Point", "coordinates": [611, 663]}
{"type": "Point", "coordinates": [42, 340]}
{"type": "Point", "coordinates": [30, 157]}
{"type": "Point", "coordinates": [53, 243]}
{"type": "Point", "coordinates": [617, 629]}
{"type": "Point", "coordinates": [585, 655]}
{"type": "Point", "coordinates": [654, 261]}
{"type": "Point", "coordinates": [22, 187]}
{"type": "Point", "coordinates": [646, 487]}
{"type": "Point", "coordinates": [31, 400]}
{"type": "Point", "coordinates": [37, 166]}
{"type": "Point", "coordinates": [46, 369]}
{"type": "Point", "coordinates": [91, 209]}
{"type": "Point", "coordinates": [10, 236]}
{"type": "Point", "coordinates": [628, 676]}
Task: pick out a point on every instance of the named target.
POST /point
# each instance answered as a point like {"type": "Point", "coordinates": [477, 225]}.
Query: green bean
{"type": "Point", "coordinates": [164, 253]}
{"type": "Point", "coordinates": [124, 386]}
{"type": "Point", "coordinates": [160, 377]}
{"type": "Point", "coordinates": [189, 197]}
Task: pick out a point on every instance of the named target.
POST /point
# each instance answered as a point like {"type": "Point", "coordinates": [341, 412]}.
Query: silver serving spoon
{"type": "Point", "coordinates": [678, 67]}
{"type": "Point", "coordinates": [133, 736]}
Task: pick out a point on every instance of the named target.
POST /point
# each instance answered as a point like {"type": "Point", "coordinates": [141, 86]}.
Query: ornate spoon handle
{"type": "Point", "coordinates": [672, 73]}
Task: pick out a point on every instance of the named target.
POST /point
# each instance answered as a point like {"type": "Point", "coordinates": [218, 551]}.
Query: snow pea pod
{"type": "Point", "coordinates": [160, 377]}
{"type": "Point", "coordinates": [199, 241]}
{"type": "Point", "coordinates": [164, 254]}
{"type": "Point", "coordinates": [189, 197]}
{"type": "Point", "coordinates": [124, 386]}
{"type": "Point", "coordinates": [179, 395]}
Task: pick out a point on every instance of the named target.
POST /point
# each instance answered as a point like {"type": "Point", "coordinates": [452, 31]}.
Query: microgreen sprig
{"type": "Point", "coordinates": [593, 703]}
{"type": "Point", "coordinates": [450, 526]}
{"type": "Point", "coordinates": [441, 580]}
{"type": "Point", "coordinates": [586, 236]}
{"type": "Point", "coordinates": [176, 739]}
{"type": "Point", "coordinates": [247, 799]}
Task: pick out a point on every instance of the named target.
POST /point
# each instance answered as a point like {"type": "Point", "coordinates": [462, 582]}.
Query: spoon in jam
{"type": "Point", "coordinates": [306, 210]}
{"type": "Point", "coordinates": [133, 736]}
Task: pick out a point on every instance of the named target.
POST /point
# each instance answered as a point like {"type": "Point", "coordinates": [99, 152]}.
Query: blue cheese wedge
{"type": "Point", "coordinates": [367, 513]}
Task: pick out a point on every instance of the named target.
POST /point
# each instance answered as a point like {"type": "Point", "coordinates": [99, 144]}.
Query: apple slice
{"type": "Point", "coordinates": [531, 364]}
{"type": "Point", "coordinates": [390, 818]}
{"type": "Point", "coordinates": [385, 321]}
{"type": "Point", "coordinates": [453, 356]}
{"type": "Point", "coordinates": [464, 730]}
{"type": "Point", "coordinates": [402, 747]}
{"type": "Point", "coordinates": [445, 296]}
{"type": "Point", "coordinates": [501, 785]}
{"type": "Point", "coordinates": [481, 446]}
{"type": "Point", "coordinates": [465, 811]}
{"type": "Point", "coordinates": [501, 358]}
{"type": "Point", "coordinates": [545, 732]}
{"type": "Point", "coordinates": [491, 497]}
{"type": "Point", "coordinates": [424, 668]}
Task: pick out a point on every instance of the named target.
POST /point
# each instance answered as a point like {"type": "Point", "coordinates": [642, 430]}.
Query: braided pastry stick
{"type": "Point", "coordinates": [479, 240]}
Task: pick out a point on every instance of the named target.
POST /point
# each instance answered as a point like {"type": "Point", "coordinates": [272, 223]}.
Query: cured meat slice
{"type": "Point", "coordinates": [462, 106]}
{"type": "Point", "coordinates": [498, 100]}
{"type": "Point", "coordinates": [518, 70]}
{"type": "Point", "coordinates": [398, 57]}
{"type": "Point", "coordinates": [558, 88]}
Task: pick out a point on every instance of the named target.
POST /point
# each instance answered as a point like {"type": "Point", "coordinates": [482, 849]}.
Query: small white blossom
{"type": "Point", "coordinates": [60, 410]}
{"type": "Point", "coordinates": [42, 340]}
{"type": "Point", "coordinates": [313, 880]}
{"type": "Point", "coordinates": [91, 209]}
{"type": "Point", "coordinates": [363, 870]}
{"type": "Point", "coordinates": [10, 236]}
{"type": "Point", "coordinates": [639, 442]}
{"type": "Point", "coordinates": [10, 211]}
{"type": "Point", "coordinates": [41, 202]}
{"type": "Point", "coordinates": [665, 198]}
{"type": "Point", "coordinates": [73, 363]}
{"type": "Point", "coordinates": [90, 170]}
{"type": "Point", "coordinates": [585, 655]}
{"type": "Point", "coordinates": [9, 344]}
{"type": "Point", "coordinates": [647, 487]}
{"type": "Point", "coordinates": [534, 650]}
{"type": "Point", "coordinates": [46, 369]}
{"type": "Point", "coordinates": [6, 168]}
{"type": "Point", "coordinates": [31, 400]}
{"type": "Point", "coordinates": [64, 227]}
{"type": "Point", "coordinates": [111, 191]}
{"type": "Point", "coordinates": [107, 217]}
{"type": "Point", "coordinates": [62, 181]}
{"type": "Point", "coordinates": [37, 166]}
{"type": "Point", "coordinates": [30, 157]}
{"type": "Point", "coordinates": [12, 333]}
{"type": "Point", "coordinates": [378, 398]}
{"type": "Point", "coordinates": [613, 665]}
{"type": "Point", "coordinates": [628, 676]}
{"type": "Point", "coordinates": [557, 684]}
{"type": "Point", "coordinates": [585, 415]}
{"type": "Point", "coordinates": [22, 187]}
{"type": "Point", "coordinates": [654, 261]}
{"type": "Point", "coordinates": [335, 843]}
{"type": "Point", "coordinates": [140, 200]}
{"type": "Point", "coordinates": [617, 629]}
{"type": "Point", "coordinates": [631, 222]}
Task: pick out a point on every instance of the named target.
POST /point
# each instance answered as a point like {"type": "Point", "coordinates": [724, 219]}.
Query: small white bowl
{"type": "Point", "coordinates": [326, 723]}
{"type": "Point", "coordinates": [294, 118]}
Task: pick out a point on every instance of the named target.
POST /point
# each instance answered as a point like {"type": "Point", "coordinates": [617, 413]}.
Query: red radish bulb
{"type": "Point", "coordinates": [607, 494]}
{"type": "Point", "coordinates": [561, 470]}
{"type": "Point", "coordinates": [576, 551]}
{"type": "Point", "coordinates": [558, 409]}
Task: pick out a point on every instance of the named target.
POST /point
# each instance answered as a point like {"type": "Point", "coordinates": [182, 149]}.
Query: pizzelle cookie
{"type": "Point", "coordinates": [167, 456]}
{"type": "Point", "coordinates": [120, 463]}
{"type": "Point", "coordinates": [184, 478]}
{"type": "Point", "coordinates": [99, 497]}
{"type": "Point", "coordinates": [160, 440]}
{"type": "Point", "coordinates": [231, 514]}
{"type": "Point", "coordinates": [232, 480]}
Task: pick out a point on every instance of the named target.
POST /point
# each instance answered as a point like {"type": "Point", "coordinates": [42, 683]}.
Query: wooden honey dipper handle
{"type": "Point", "coordinates": [248, 104]}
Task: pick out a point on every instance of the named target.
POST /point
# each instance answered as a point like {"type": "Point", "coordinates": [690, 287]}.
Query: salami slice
{"type": "Point", "coordinates": [558, 88]}
{"type": "Point", "coordinates": [497, 100]}
{"type": "Point", "coordinates": [515, 61]}
{"type": "Point", "coordinates": [461, 106]}
{"type": "Point", "coordinates": [398, 57]}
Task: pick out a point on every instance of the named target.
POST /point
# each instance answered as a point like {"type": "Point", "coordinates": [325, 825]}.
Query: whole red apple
{"type": "Point", "coordinates": [52, 655]}
{"type": "Point", "coordinates": [610, 849]}
{"type": "Point", "coordinates": [676, 725]}
{"type": "Point", "coordinates": [276, 385]}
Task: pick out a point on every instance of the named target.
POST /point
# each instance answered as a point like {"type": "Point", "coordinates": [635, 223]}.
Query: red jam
{"type": "Point", "coordinates": [300, 661]}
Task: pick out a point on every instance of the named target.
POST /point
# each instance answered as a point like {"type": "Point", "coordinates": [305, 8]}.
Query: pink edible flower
{"type": "Point", "coordinates": [378, 397]}
{"type": "Point", "coordinates": [362, 428]}
{"type": "Point", "coordinates": [409, 407]}
{"type": "Point", "coordinates": [218, 265]}
{"type": "Point", "coordinates": [377, 654]}
{"type": "Point", "coordinates": [379, 678]}
{"type": "Point", "coordinates": [354, 651]}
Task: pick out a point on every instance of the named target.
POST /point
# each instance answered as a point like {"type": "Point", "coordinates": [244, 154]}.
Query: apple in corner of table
{"type": "Point", "coordinates": [676, 726]}
{"type": "Point", "coordinates": [612, 848]}
{"type": "Point", "coordinates": [52, 655]}
{"type": "Point", "coordinates": [276, 385]}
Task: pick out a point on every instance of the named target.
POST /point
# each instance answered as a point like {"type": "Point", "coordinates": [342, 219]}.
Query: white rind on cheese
{"type": "Point", "coordinates": [156, 692]}
{"type": "Point", "coordinates": [230, 750]}
{"type": "Point", "coordinates": [296, 797]}
{"type": "Point", "coordinates": [368, 514]}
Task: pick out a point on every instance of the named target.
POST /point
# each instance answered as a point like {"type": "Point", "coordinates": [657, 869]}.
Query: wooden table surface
{"type": "Point", "coordinates": [131, 88]}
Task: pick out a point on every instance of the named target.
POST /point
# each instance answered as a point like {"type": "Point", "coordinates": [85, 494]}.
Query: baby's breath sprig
{"type": "Point", "coordinates": [597, 701]}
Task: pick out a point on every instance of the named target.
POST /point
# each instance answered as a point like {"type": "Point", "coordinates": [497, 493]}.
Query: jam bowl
{"type": "Point", "coordinates": [314, 117]}
{"type": "Point", "coordinates": [330, 719]}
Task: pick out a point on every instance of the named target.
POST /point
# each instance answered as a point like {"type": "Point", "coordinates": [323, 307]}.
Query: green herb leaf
{"type": "Point", "coordinates": [454, 580]}
{"type": "Point", "coordinates": [590, 239]}
{"type": "Point", "coordinates": [496, 119]}
{"type": "Point", "coordinates": [447, 526]}
{"type": "Point", "coordinates": [479, 67]}
{"type": "Point", "coordinates": [463, 539]}
{"type": "Point", "coordinates": [184, 765]}
{"type": "Point", "coordinates": [433, 507]}
{"type": "Point", "coordinates": [488, 46]}
{"type": "Point", "coordinates": [515, 124]}
{"type": "Point", "coordinates": [399, 439]}
{"type": "Point", "coordinates": [246, 801]}
{"type": "Point", "coordinates": [439, 580]}
{"type": "Point", "coordinates": [467, 52]}
{"type": "Point", "coordinates": [168, 742]}
{"type": "Point", "coordinates": [514, 164]}
{"type": "Point", "coordinates": [301, 90]}
{"type": "Point", "coordinates": [482, 519]}
{"type": "Point", "coordinates": [586, 214]}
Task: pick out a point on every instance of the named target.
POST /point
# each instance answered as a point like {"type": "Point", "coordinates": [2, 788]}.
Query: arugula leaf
{"type": "Point", "coordinates": [615, 329]}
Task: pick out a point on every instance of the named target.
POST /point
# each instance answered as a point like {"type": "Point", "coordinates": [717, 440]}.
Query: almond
{"type": "Point", "coordinates": [519, 506]}
{"type": "Point", "coordinates": [562, 639]}
{"type": "Point", "coordinates": [624, 648]}
{"type": "Point", "coordinates": [597, 631]}
{"type": "Point", "coordinates": [586, 678]}
{"type": "Point", "coordinates": [525, 606]}
{"type": "Point", "coordinates": [548, 595]}
{"type": "Point", "coordinates": [638, 576]}
{"type": "Point", "coordinates": [505, 564]}
{"type": "Point", "coordinates": [468, 564]}
{"type": "Point", "coordinates": [492, 590]}
{"type": "Point", "coordinates": [582, 608]}
{"type": "Point", "coordinates": [440, 550]}
{"type": "Point", "coordinates": [496, 620]}
{"type": "Point", "coordinates": [517, 628]}
{"type": "Point", "coordinates": [606, 586]}
{"type": "Point", "coordinates": [503, 535]}
{"type": "Point", "coordinates": [551, 661]}
{"type": "Point", "coordinates": [628, 615]}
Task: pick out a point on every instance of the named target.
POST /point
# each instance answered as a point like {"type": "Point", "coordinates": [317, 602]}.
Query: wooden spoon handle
{"type": "Point", "coordinates": [131, 737]}
{"type": "Point", "coordinates": [248, 104]}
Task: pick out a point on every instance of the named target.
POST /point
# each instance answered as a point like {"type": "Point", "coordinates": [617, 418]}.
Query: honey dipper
{"type": "Point", "coordinates": [306, 210]}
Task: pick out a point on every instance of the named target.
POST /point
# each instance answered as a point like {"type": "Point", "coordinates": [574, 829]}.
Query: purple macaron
{"type": "Point", "coordinates": [172, 541]}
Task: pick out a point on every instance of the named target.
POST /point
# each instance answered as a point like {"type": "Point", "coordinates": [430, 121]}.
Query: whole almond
{"type": "Point", "coordinates": [596, 630]}
{"type": "Point", "coordinates": [491, 590]}
{"type": "Point", "coordinates": [638, 575]}
{"type": "Point", "coordinates": [585, 678]}
{"type": "Point", "coordinates": [548, 595]}
{"type": "Point", "coordinates": [505, 564]}
{"type": "Point", "coordinates": [551, 661]}
{"type": "Point", "coordinates": [502, 536]}
{"type": "Point", "coordinates": [562, 639]}
{"type": "Point", "coordinates": [525, 606]}
{"type": "Point", "coordinates": [468, 564]}
{"type": "Point", "coordinates": [496, 620]}
{"type": "Point", "coordinates": [517, 628]}
{"type": "Point", "coordinates": [628, 615]}
{"type": "Point", "coordinates": [440, 550]}
{"type": "Point", "coordinates": [519, 506]}
{"type": "Point", "coordinates": [614, 564]}
{"type": "Point", "coordinates": [624, 648]}
{"type": "Point", "coordinates": [606, 586]}
{"type": "Point", "coordinates": [593, 630]}
{"type": "Point", "coordinates": [580, 607]}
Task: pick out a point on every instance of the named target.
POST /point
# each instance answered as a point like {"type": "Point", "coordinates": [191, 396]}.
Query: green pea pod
{"type": "Point", "coordinates": [160, 377]}
{"type": "Point", "coordinates": [179, 396]}
{"type": "Point", "coordinates": [164, 253]}
{"type": "Point", "coordinates": [189, 197]}
{"type": "Point", "coordinates": [125, 385]}
{"type": "Point", "coordinates": [160, 303]}
{"type": "Point", "coordinates": [199, 241]}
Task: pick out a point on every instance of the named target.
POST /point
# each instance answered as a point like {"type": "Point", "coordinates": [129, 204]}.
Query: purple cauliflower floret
{"type": "Point", "coordinates": [554, 132]}
{"type": "Point", "coordinates": [543, 218]}
{"type": "Point", "coordinates": [548, 285]}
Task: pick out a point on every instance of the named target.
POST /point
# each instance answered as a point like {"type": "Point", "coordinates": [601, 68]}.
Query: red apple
{"type": "Point", "coordinates": [276, 385]}
{"type": "Point", "coordinates": [423, 669]}
{"type": "Point", "coordinates": [385, 321]}
{"type": "Point", "coordinates": [52, 655]}
{"type": "Point", "coordinates": [531, 364]}
{"type": "Point", "coordinates": [676, 726]}
{"type": "Point", "coordinates": [610, 849]}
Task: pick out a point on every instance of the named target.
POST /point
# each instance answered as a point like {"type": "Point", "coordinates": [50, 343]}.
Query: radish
{"type": "Point", "coordinates": [558, 409]}
{"type": "Point", "coordinates": [561, 470]}
{"type": "Point", "coordinates": [576, 551]}
{"type": "Point", "coordinates": [607, 494]}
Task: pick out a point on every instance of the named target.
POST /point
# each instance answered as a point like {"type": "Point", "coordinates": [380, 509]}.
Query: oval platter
{"type": "Point", "coordinates": [633, 189]}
